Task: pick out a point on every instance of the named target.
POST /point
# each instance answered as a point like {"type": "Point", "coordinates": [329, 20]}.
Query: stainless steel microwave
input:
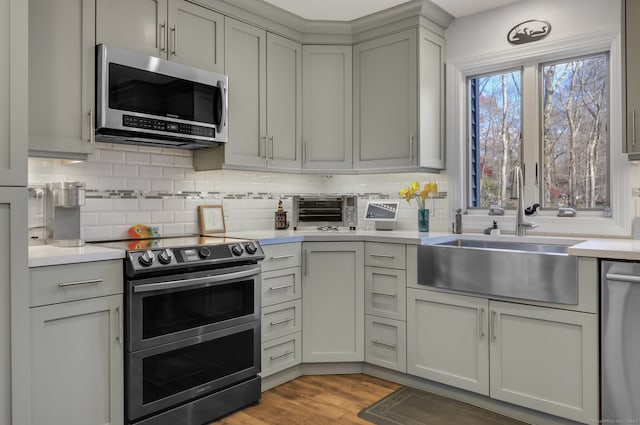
{"type": "Point", "coordinates": [326, 211]}
{"type": "Point", "coordinates": [146, 100]}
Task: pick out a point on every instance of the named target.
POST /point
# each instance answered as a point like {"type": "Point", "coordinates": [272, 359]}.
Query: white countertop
{"type": "Point", "coordinates": [50, 255]}
{"type": "Point", "coordinates": [272, 237]}
{"type": "Point", "coordinates": [619, 249]}
{"type": "Point", "coordinates": [47, 255]}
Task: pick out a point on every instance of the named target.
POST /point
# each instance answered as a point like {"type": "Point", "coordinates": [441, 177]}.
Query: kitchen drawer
{"type": "Point", "coordinates": [281, 319]}
{"type": "Point", "coordinates": [281, 353]}
{"type": "Point", "coordinates": [70, 282]}
{"type": "Point", "coordinates": [385, 255]}
{"type": "Point", "coordinates": [385, 292]}
{"type": "Point", "coordinates": [386, 343]}
{"type": "Point", "coordinates": [281, 285]}
{"type": "Point", "coordinates": [281, 256]}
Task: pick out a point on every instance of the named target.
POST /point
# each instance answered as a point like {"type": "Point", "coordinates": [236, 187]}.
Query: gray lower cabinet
{"type": "Point", "coordinates": [177, 30]}
{"type": "Point", "coordinates": [385, 282]}
{"type": "Point", "coordinates": [281, 334]}
{"type": "Point", "coordinates": [542, 358]}
{"type": "Point", "coordinates": [265, 101]}
{"type": "Point", "coordinates": [333, 302]}
{"type": "Point", "coordinates": [398, 96]}
{"type": "Point", "coordinates": [14, 303]}
{"type": "Point", "coordinates": [327, 107]}
{"type": "Point", "coordinates": [62, 39]}
{"type": "Point", "coordinates": [77, 339]}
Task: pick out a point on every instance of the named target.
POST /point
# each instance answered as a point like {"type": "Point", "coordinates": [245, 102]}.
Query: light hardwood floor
{"type": "Point", "coordinates": [315, 400]}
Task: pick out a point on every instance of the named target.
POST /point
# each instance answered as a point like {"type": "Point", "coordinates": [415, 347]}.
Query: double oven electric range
{"type": "Point", "coordinates": [192, 328]}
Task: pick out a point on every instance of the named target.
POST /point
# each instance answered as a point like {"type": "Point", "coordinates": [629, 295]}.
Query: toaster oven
{"type": "Point", "coordinates": [325, 211]}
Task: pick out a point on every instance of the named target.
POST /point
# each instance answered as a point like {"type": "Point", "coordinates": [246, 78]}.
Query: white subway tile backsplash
{"type": "Point", "coordinates": [162, 185]}
{"type": "Point", "coordinates": [161, 188]}
{"type": "Point", "coordinates": [125, 170]}
{"type": "Point", "coordinates": [111, 218]}
{"type": "Point", "coordinates": [149, 171]}
{"type": "Point", "coordinates": [183, 161]}
{"type": "Point", "coordinates": [137, 158]}
{"type": "Point", "coordinates": [142, 185]}
{"type": "Point", "coordinates": [173, 204]}
{"type": "Point", "coordinates": [125, 204]}
{"type": "Point", "coordinates": [162, 160]}
{"type": "Point", "coordinates": [110, 156]}
{"type": "Point", "coordinates": [139, 217]}
{"type": "Point", "coordinates": [106, 183]}
{"type": "Point", "coordinates": [161, 216]}
{"type": "Point", "coordinates": [96, 233]}
{"type": "Point", "coordinates": [150, 204]}
{"type": "Point", "coordinates": [184, 186]}
{"type": "Point", "coordinates": [97, 204]}
{"type": "Point", "coordinates": [173, 229]}
{"type": "Point", "coordinates": [174, 173]}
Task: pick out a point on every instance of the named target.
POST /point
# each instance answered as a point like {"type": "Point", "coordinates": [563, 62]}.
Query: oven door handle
{"type": "Point", "coordinates": [184, 283]}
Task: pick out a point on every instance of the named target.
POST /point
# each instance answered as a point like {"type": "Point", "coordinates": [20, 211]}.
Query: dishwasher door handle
{"type": "Point", "coordinates": [623, 277]}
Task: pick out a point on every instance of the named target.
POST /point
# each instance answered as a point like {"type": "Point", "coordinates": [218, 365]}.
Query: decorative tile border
{"type": "Point", "coordinates": [133, 194]}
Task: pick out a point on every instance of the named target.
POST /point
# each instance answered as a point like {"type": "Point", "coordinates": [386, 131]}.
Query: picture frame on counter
{"type": "Point", "coordinates": [211, 218]}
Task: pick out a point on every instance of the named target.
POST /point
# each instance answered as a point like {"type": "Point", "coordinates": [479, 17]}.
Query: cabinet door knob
{"type": "Point", "coordinates": [174, 32]}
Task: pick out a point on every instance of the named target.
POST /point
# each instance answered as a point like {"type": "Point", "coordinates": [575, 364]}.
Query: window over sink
{"type": "Point", "coordinates": [550, 117]}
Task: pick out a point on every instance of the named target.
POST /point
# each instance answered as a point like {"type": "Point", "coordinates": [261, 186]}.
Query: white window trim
{"type": "Point", "coordinates": [586, 223]}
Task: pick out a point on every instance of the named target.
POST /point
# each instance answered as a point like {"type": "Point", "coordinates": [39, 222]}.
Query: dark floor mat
{"type": "Point", "coordinates": [408, 406]}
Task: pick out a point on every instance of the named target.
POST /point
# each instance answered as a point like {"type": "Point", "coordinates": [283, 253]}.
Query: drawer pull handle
{"type": "Point", "coordinates": [80, 282]}
{"type": "Point", "coordinates": [279, 322]}
{"type": "Point", "coordinates": [386, 344]}
{"type": "Point", "coordinates": [286, 353]}
{"type": "Point", "coordinates": [281, 257]}
{"type": "Point", "coordinates": [386, 294]}
{"type": "Point", "coordinates": [275, 288]}
{"type": "Point", "coordinates": [383, 256]}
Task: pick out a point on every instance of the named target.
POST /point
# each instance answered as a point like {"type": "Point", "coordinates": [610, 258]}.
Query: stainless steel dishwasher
{"type": "Point", "coordinates": [620, 342]}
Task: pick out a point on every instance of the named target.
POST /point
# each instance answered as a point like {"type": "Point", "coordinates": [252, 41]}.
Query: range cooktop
{"type": "Point", "coordinates": [170, 253]}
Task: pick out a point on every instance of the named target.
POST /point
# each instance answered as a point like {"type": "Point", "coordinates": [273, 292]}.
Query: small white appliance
{"type": "Point", "coordinates": [383, 213]}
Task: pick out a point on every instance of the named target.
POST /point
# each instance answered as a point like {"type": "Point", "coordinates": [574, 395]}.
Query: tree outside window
{"type": "Point", "coordinates": [572, 108]}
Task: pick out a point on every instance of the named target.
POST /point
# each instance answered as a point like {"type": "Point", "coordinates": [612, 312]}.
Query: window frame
{"type": "Point", "coordinates": [615, 224]}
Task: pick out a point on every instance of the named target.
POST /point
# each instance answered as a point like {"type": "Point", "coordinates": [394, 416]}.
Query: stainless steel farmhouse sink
{"type": "Point", "coordinates": [531, 270]}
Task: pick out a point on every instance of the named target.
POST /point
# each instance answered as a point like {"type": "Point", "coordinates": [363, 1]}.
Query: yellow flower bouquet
{"type": "Point", "coordinates": [414, 192]}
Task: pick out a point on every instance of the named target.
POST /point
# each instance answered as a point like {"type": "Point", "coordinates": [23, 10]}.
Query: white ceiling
{"type": "Point", "coordinates": [347, 10]}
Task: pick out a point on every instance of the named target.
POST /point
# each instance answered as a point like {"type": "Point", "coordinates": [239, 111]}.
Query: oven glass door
{"type": "Point", "coordinates": [169, 308]}
{"type": "Point", "coordinates": [325, 210]}
{"type": "Point", "coordinates": [170, 374]}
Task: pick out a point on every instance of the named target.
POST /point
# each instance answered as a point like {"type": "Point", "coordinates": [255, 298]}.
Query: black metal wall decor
{"type": "Point", "coordinates": [529, 31]}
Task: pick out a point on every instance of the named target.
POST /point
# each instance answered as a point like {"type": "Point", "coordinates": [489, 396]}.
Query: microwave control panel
{"type": "Point", "coordinates": [167, 126]}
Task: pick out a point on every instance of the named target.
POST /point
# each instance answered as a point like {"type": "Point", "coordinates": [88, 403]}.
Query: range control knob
{"type": "Point", "coordinates": [146, 259]}
{"type": "Point", "coordinates": [165, 256]}
{"type": "Point", "coordinates": [204, 252]}
{"type": "Point", "coordinates": [250, 248]}
{"type": "Point", "coordinates": [237, 250]}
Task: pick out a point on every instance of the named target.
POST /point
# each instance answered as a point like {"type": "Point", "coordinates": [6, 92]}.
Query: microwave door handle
{"type": "Point", "coordinates": [223, 102]}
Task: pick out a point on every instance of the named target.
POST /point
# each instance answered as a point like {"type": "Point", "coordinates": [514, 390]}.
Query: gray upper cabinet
{"type": "Point", "coordinates": [61, 77]}
{"type": "Point", "coordinates": [398, 98]}
{"type": "Point", "coordinates": [327, 107]}
{"type": "Point", "coordinates": [246, 66]}
{"type": "Point", "coordinates": [265, 98]}
{"type": "Point", "coordinates": [631, 10]}
{"type": "Point", "coordinates": [431, 106]}
{"type": "Point", "coordinates": [284, 102]}
{"type": "Point", "coordinates": [171, 29]}
{"type": "Point", "coordinates": [385, 95]}
{"type": "Point", "coordinates": [13, 94]}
